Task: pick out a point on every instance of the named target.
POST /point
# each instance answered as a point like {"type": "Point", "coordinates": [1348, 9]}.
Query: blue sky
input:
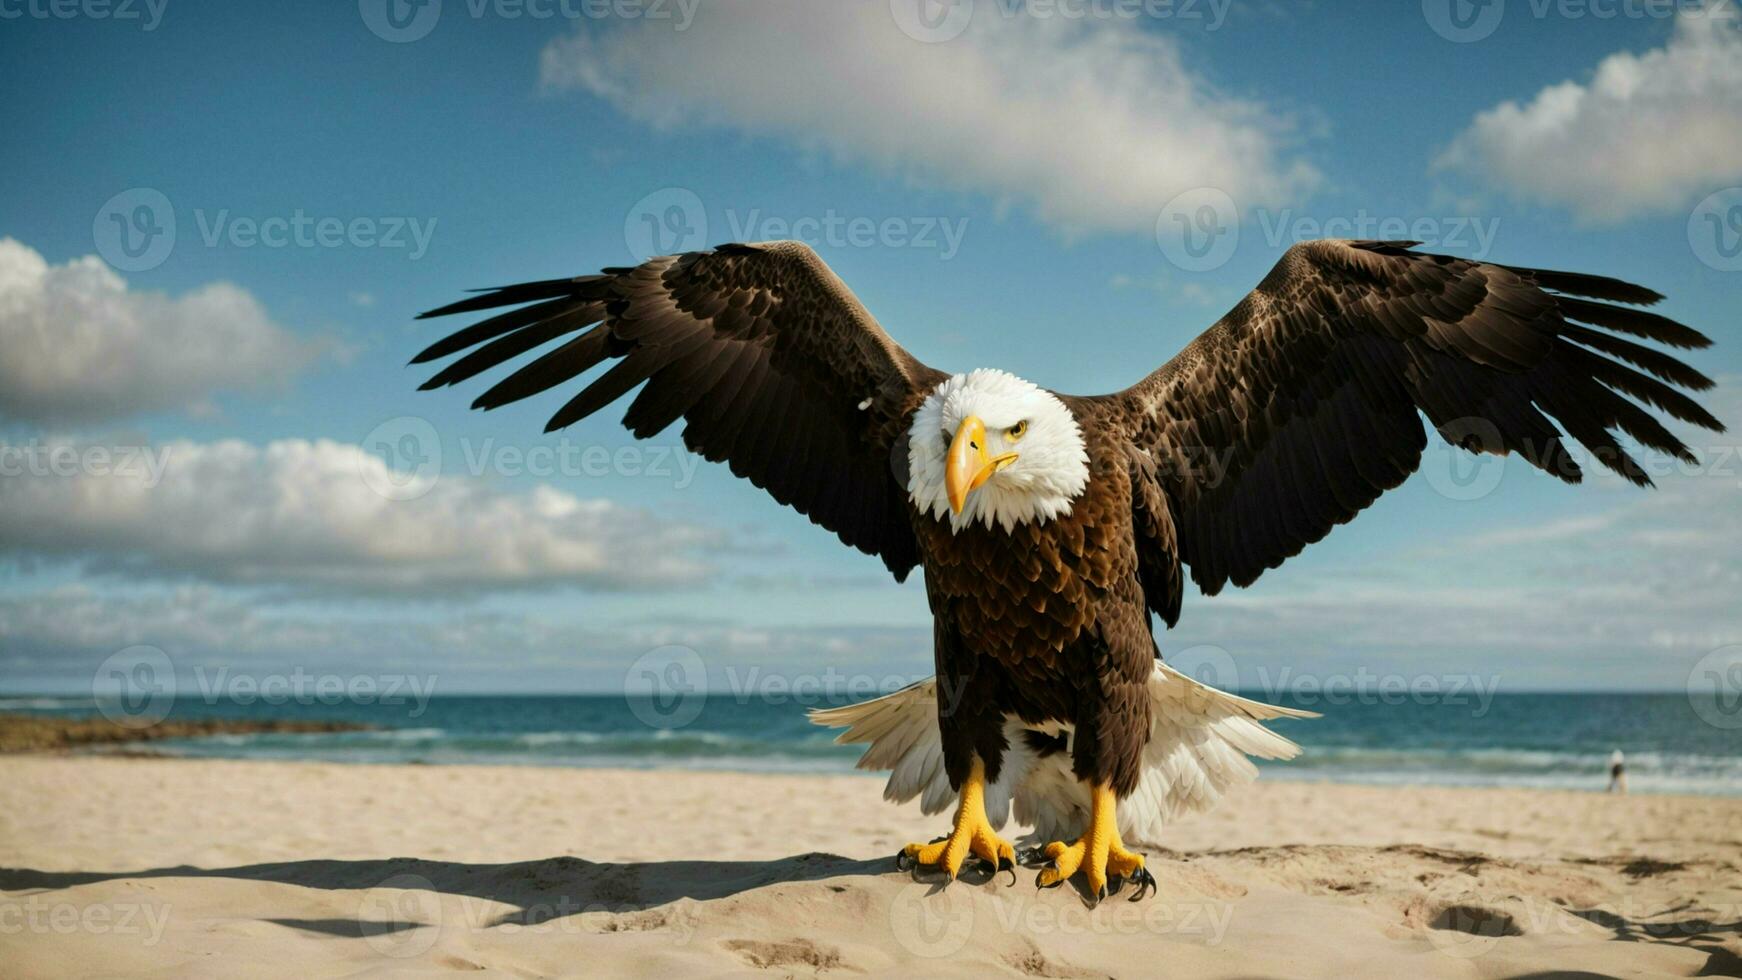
{"type": "Point", "coordinates": [496, 146]}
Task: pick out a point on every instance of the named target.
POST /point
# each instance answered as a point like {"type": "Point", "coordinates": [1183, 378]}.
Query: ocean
{"type": "Point", "coordinates": [1563, 741]}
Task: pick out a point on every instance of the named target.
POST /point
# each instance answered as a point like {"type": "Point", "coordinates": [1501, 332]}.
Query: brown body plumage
{"type": "Point", "coordinates": [1047, 622]}
{"type": "Point", "coordinates": [1288, 416]}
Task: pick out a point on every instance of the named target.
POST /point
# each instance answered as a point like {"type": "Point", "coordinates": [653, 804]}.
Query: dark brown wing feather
{"type": "Point", "coordinates": [761, 349]}
{"type": "Point", "coordinates": [1300, 407]}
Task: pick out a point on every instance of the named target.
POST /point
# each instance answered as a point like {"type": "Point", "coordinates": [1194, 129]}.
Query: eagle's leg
{"type": "Point", "coordinates": [1098, 853]}
{"type": "Point", "coordinates": [970, 834]}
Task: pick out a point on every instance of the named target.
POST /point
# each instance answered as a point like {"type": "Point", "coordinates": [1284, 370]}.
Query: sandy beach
{"type": "Point", "coordinates": [166, 867]}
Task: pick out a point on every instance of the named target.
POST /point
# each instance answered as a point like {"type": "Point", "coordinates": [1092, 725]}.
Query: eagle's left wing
{"type": "Point", "coordinates": [773, 364]}
{"type": "Point", "coordinates": [1302, 405]}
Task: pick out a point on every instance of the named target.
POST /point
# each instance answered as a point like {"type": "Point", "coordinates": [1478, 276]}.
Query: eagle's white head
{"type": "Point", "coordinates": [988, 446]}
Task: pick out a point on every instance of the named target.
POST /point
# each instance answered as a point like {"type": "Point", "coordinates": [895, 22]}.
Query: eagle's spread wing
{"type": "Point", "coordinates": [1300, 407]}
{"type": "Point", "coordinates": [1197, 747]}
{"type": "Point", "coordinates": [775, 367]}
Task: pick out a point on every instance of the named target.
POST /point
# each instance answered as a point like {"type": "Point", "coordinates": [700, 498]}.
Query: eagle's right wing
{"type": "Point", "coordinates": [772, 363]}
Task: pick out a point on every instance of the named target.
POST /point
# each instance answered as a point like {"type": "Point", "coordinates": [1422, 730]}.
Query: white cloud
{"type": "Point", "coordinates": [307, 515]}
{"type": "Point", "coordinates": [1094, 124]}
{"type": "Point", "coordinates": [55, 637]}
{"type": "Point", "coordinates": [81, 347]}
{"type": "Point", "coordinates": [1649, 133]}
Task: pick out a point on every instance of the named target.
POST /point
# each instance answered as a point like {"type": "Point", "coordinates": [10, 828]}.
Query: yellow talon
{"type": "Point", "coordinates": [971, 834]}
{"type": "Point", "coordinates": [1098, 853]}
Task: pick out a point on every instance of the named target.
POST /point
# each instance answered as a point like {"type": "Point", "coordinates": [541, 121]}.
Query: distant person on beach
{"type": "Point", "coordinates": [1618, 773]}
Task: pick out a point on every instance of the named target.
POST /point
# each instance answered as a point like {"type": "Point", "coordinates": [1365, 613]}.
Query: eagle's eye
{"type": "Point", "coordinates": [1016, 431]}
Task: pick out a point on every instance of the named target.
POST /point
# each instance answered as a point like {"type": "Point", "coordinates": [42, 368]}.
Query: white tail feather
{"type": "Point", "coordinates": [1199, 740]}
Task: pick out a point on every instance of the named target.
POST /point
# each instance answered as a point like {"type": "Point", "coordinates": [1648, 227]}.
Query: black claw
{"type": "Point", "coordinates": [1037, 883]}
{"type": "Point", "coordinates": [1093, 900]}
{"type": "Point", "coordinates": [1005, 864]}
{"type": "Point", "coordinates": [1146, 885]}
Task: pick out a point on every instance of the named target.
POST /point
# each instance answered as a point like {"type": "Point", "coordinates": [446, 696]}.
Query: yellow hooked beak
{"type": "Point", "coordinates": [968, 464]}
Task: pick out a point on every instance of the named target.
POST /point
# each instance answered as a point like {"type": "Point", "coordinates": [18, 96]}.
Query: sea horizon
{"type": "Point", "coordinates": [1544, 740]}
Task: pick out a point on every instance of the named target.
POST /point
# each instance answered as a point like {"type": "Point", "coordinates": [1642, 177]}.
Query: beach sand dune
{"type": "Point", "coordinates": [164, 867]}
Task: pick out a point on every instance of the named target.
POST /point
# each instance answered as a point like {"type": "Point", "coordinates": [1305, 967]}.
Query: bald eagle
{"type": "Point", "coordinates": [1051, 526]}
